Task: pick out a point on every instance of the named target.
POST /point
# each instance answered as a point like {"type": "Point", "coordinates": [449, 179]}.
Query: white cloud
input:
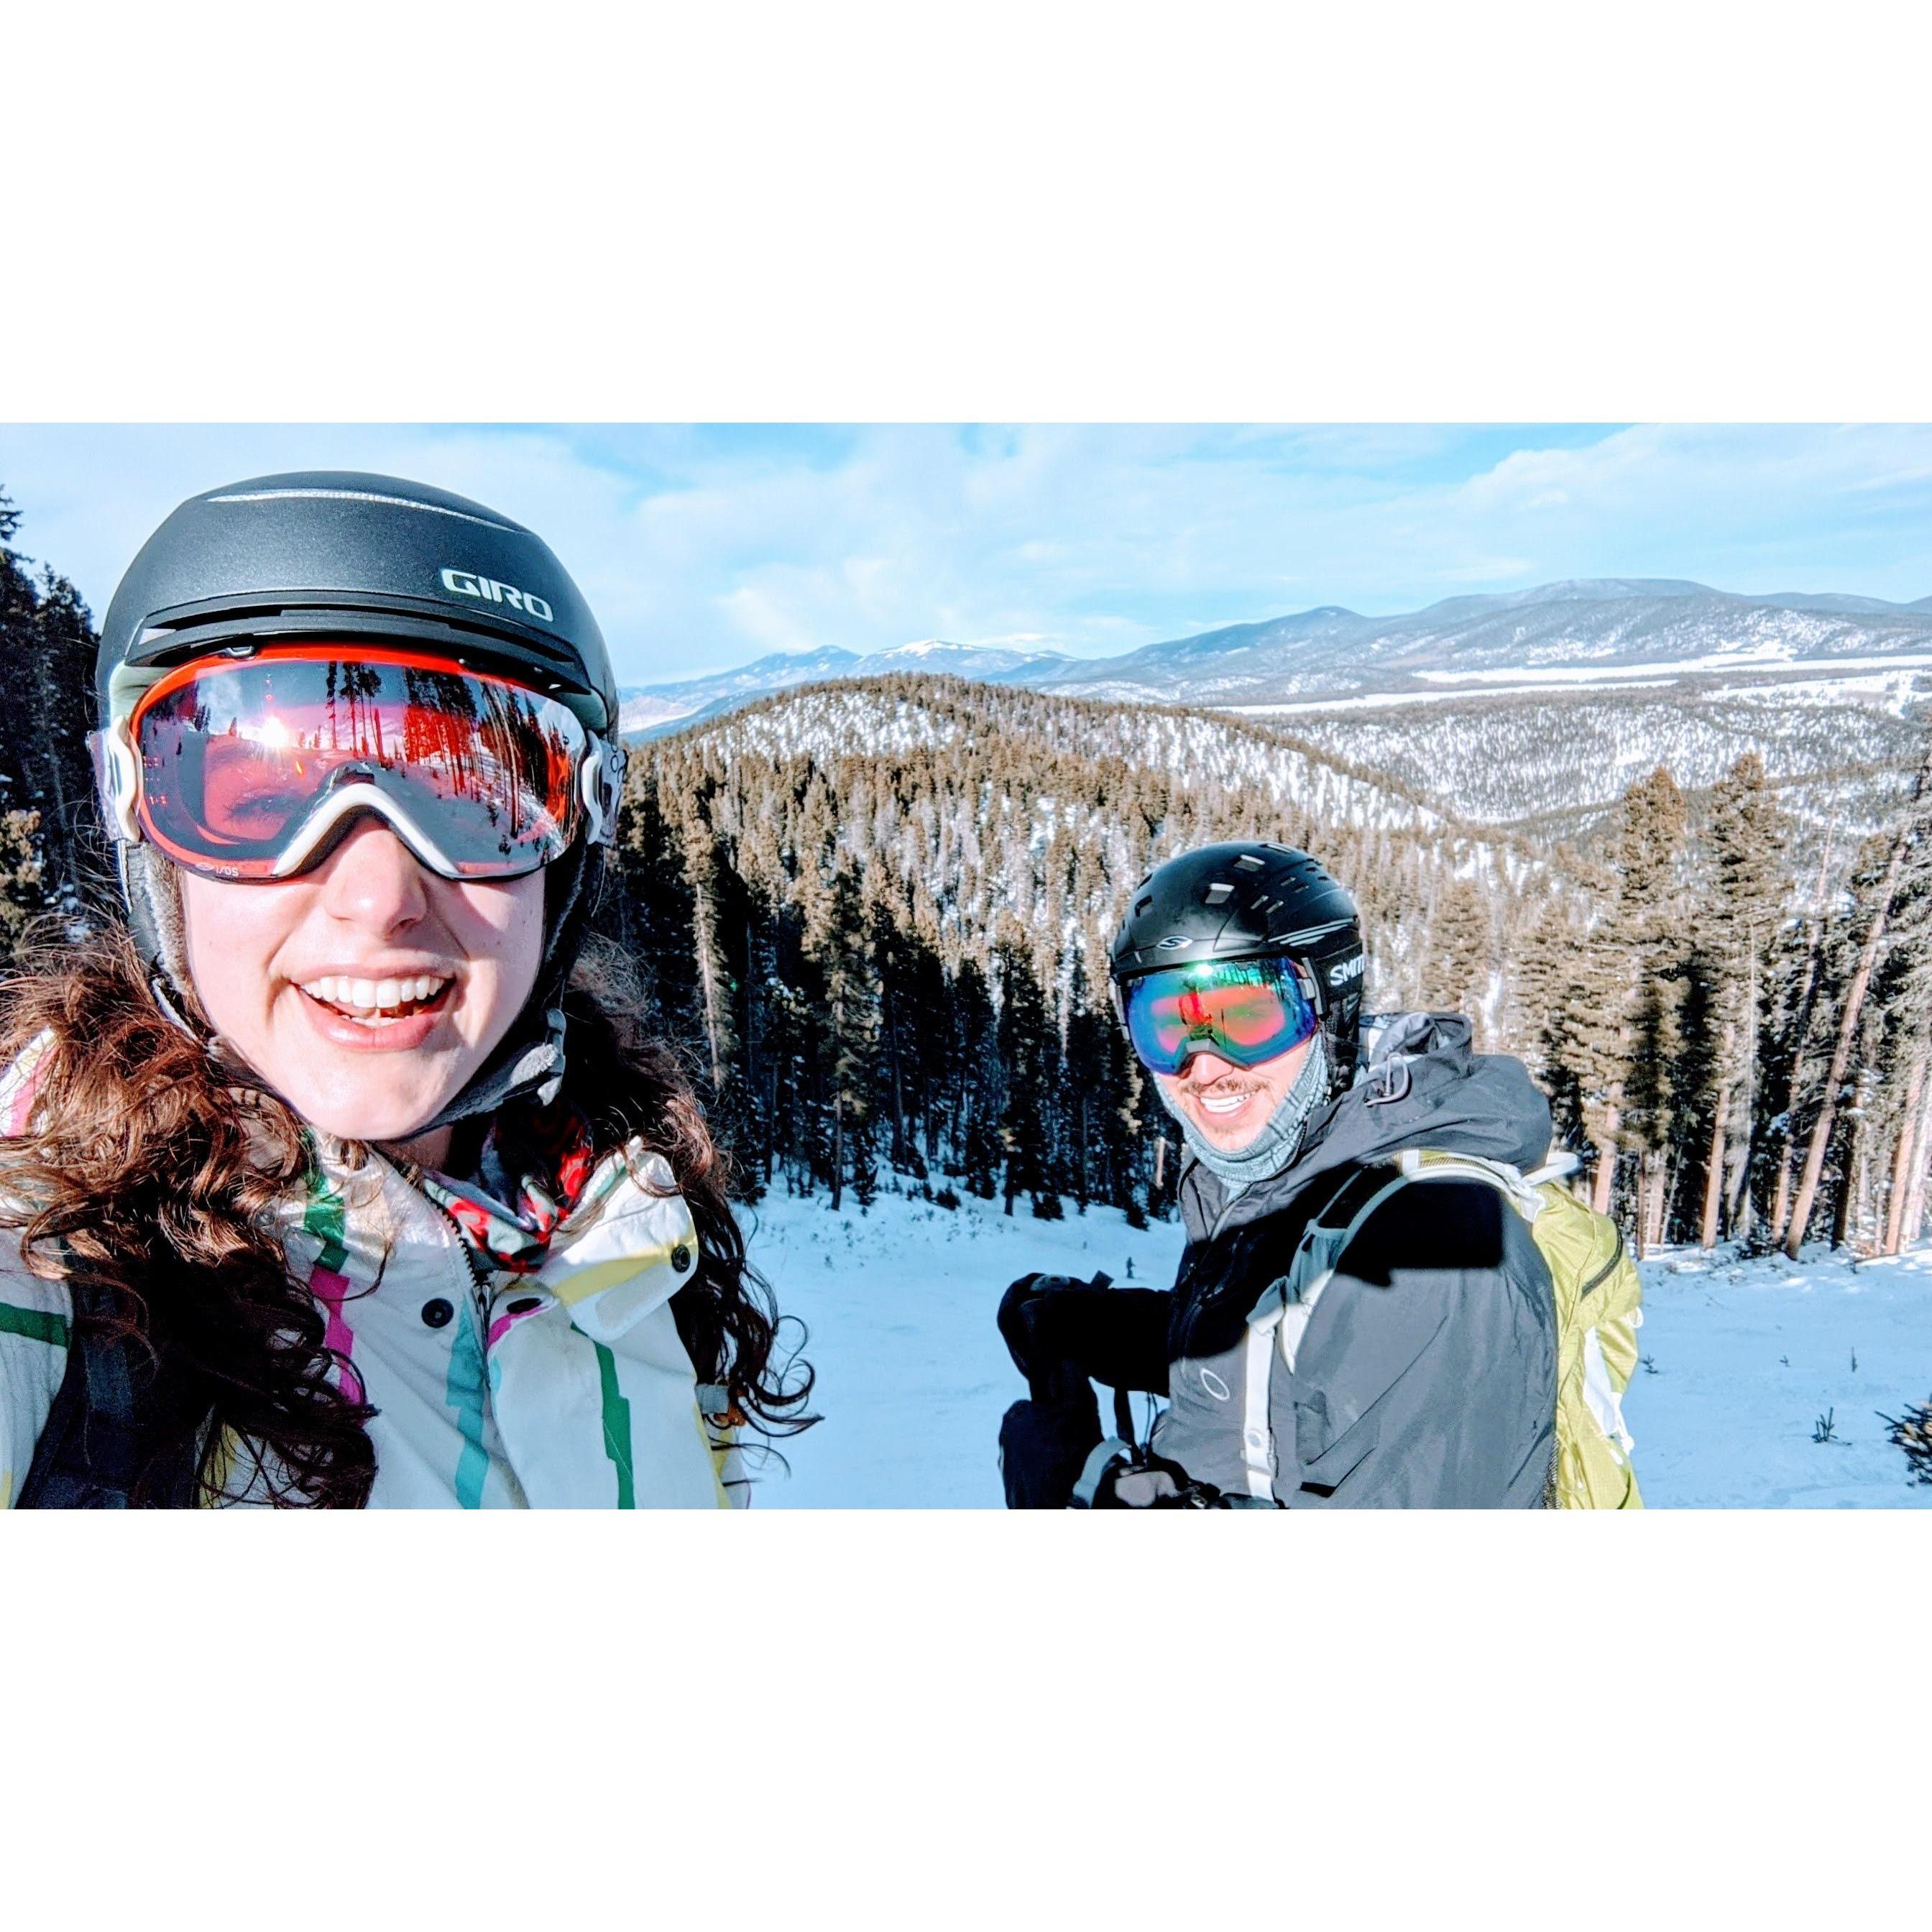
{"type": "Point", "coordinates": [699, 549]}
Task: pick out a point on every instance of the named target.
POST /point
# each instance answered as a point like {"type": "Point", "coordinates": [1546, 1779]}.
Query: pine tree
{"type": "Point", "coordinates": [981, 1086]}
{"type": "Point", "coordinates": [848, 1034]}
{"type": "Point", "coordinates": [1090, 1109]}
{"type": "Point", "coordinates": [1805, 970]}
{"type": "Point", "coordinates": [1460, 942]}
{"type": "Point", "coordinates": [1630, 962]}
{"type": "Point", "coordinates": [1028, 1050]}
{"type": "Point", "coordinates": [1737, 926]}
{"type": "Point", "coordinates": [706, 872]}
{"type": "Point", "coordinates": [47, 640]}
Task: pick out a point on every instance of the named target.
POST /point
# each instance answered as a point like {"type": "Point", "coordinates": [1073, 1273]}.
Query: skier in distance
{"type": "Point", "coordinates": [1414, 1363]}
{"type": "Point", "coordinates": [344, 1172]}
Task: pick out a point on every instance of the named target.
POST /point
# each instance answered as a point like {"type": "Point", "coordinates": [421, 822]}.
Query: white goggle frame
{"type": "Point", "coordinates": [600, 786]}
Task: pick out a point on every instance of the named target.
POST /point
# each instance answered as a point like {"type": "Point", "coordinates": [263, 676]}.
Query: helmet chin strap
{"type": "Point", "coordinates": [152, 897]}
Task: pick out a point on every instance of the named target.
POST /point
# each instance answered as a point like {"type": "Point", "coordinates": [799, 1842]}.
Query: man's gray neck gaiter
{"type": "Point", "coordinates": [1279, 1141]}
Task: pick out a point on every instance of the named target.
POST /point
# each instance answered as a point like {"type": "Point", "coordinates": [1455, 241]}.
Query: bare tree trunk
{"type": "Point", "coordinates": [1737, 1206]}
{"type": "Point", "coordinates": [1643, 1203]}
{"type": "Point", "coordinates": [899, 1144]}
{"type": "Point", "coordinates": [1848, 1025]}
{"type": "Point", "coordinates": [1916, 1183]}
{"type": "Point", "coordinates": [1902, 1161]}
{"type": "Point", "coordinates": [1864, 1212]}
{"type": "Point", "coordinates": [1848, 1189]}
{"type": "Point", "coordinates": [1713, 1185]}
{"type": "Point", "coordinates": [1808, 1002]}
{"type": "Point", "coordinates": [697, 851]}
{"type": "Point", "coordinates": [1714, 1170]}
{"type": "Point", "coordinates": [1781, 1204]}
{"type": "Point", "coordinates": [838, 1108]}
{"type": "Point", "coordinates": [1605, 1180]}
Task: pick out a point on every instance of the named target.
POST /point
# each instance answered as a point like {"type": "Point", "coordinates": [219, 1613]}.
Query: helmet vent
{"type": "Point", "coordinates": [1219, 894]}
{"type": "Point", "coordinates": [1248, 862]}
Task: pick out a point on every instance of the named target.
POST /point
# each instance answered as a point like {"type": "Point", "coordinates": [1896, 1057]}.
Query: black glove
{"type": "Point", "coordinates": [1145, 1480]}
{"type": "Point", "coordinates": [1060, 1332]}
{"type": "Point", "coordinates": [1043, 1448]}
{"type": "Point", "coordinates": [1044, 1442]}
{"type": "Point", "coordinates": [1064, 1335]}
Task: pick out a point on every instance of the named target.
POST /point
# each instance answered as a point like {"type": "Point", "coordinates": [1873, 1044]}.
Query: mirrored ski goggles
{"type": "Point", "coordinates": [1245, 1010]}
{"type": "Point", "coordinates": [245, 768]}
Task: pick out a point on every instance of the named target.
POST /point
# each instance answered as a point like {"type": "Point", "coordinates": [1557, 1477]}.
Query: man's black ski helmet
{"type": "Point", "coordinates": [1252, 900]}
{"type": "Point", "coordinates": [323, 555]}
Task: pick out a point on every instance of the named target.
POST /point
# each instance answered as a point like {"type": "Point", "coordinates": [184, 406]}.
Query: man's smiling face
{"type": "Point", "coordinates": [1228, 1105]}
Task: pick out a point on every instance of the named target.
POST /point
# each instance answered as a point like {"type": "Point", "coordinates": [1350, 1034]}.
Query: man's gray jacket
{"type": "Point", "coordinates": [1425, 1374]}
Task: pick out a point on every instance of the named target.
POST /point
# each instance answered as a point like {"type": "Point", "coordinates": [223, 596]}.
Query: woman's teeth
{"type": "Point", "coordinates": [375, 1002]}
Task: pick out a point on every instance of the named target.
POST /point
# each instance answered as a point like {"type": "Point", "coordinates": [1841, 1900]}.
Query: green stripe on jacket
{"type": "Point", "coordinates": [37, 1324]}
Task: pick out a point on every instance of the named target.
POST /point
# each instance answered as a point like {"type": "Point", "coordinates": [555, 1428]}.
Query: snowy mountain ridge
{"type": "Point", "coordinates": [646, 706]}
{"type": "Point", "coordinates": [1576, 631]}
{"type": "Point", "coordinates": [1580, 631]}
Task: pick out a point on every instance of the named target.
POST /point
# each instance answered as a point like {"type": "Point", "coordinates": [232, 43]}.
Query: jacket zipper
{"type": "Point", "coordinates": [479, 1272]}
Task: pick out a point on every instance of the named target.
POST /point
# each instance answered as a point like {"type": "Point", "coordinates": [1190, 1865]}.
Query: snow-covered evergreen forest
{"type": "Point", "coordinates": [878, 913]}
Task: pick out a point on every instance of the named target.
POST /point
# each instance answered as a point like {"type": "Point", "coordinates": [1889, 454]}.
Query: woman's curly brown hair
{"type": "Point", "coordinates": [148, 1176]}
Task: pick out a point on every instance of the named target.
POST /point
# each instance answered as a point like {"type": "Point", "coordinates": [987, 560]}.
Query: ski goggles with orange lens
{"type": "Point", "coordinates": [1245, 1010]}
{"type": "Point", "coordinates": [247, 767]}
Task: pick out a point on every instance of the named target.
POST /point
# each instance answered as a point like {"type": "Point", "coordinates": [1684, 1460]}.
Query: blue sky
{"type": "Point", "coordinates": [702, 547]}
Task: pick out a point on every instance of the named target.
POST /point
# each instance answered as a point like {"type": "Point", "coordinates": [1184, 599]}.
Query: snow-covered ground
{"type": "Point", "coordinates": [913, 1377]}
{"type": "Point", "coordinates": [1746, 1360]}
{"type": "Point", "coordinates": [1744, 1357]}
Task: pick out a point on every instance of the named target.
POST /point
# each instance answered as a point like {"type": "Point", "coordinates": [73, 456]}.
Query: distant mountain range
{"type": "Point", "coordinates": [1598, 631]}
{"type": "Point", "coordinates": [645, 706]}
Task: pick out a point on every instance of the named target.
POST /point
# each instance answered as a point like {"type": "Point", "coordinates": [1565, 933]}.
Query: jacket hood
{"type": "Point", "coordinates": [1422, 1086]}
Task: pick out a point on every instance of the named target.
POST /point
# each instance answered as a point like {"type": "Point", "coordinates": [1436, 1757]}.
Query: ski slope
{"type": "Point", "coordinates": [1744, 1356]}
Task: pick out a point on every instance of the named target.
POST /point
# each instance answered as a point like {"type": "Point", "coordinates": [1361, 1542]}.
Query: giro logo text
{"type": "Point", "coordinates": [489, 591]}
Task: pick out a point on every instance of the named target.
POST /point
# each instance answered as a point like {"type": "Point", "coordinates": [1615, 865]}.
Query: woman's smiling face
{"type": "Point", "coordinates": [367, 991]}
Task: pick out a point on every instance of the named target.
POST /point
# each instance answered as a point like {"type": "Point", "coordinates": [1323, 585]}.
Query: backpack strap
{"type": "Point", "coordinates": [1523, 1190]}
{"type": "Point", "coordinates": [111, 1425]}
{"type": "Point", "coordinates": [1324, 1242]}
{"type": "Point", "coordinates": [1280, 1318]}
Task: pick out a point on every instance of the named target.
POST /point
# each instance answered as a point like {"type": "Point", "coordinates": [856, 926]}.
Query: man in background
{"type": "Point", "coordinates": [1412, 1362]}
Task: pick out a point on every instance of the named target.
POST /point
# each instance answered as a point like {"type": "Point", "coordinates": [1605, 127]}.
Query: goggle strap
{"type": "Point", "coordinates": [117, 778]}
{"type": "Point", "coordinates": [600, 784]}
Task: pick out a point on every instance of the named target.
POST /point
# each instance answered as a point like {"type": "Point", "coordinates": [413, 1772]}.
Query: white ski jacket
{"type": "Point", "coordinates": [569, 1387]}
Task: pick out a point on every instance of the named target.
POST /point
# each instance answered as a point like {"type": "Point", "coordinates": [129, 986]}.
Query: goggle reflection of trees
{"type": "Point", "coordinates": [513, 753]}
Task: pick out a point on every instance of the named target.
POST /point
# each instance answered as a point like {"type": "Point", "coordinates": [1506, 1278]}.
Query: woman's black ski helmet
{"type": "Point", "coordinates": [320, 555]}
{"type": "Point", "coordinates": [1252, 900]}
